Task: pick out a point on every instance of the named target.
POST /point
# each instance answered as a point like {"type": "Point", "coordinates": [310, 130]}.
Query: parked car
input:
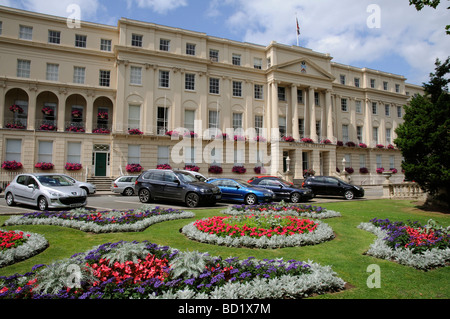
{"type": "Point", "coordinates": [197, 175]}
{"type": "Point", "coordinates": [124, 185]}
{"type": "Point", "coordinates": [88, 187]}
{"type": "Point", "coordinates": [240, 190]}
{"type": "Point", "coordinates": [327, 185]}
{"type": "Point", "coordinates": [45, 191]}
{"type": "Point", "coordinates": [175, 185]}
{"type": "Point", "coordinates": [284, 190]}
{"type": "Point", "coordinates": [266, 176]}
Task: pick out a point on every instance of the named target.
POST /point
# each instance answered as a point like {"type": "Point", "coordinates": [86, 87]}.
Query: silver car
{"type": "Point", "coordinates": [88, 187]}
{"type": "Point", "coordinates": [44, 191]}
{"type": "Point", "coordinates": [124, 185]}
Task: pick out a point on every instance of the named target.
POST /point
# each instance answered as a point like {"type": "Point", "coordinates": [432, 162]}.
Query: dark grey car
{"type": "Point", "coordinates": [177, 186]}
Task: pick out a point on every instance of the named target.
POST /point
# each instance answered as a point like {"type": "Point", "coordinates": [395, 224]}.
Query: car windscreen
{"type": "Point", "coordinates": [244, 183]}
{"type": "Point", "coordinates": [53, 181]}
{"type": "Point", "coordinates": [186, 177]}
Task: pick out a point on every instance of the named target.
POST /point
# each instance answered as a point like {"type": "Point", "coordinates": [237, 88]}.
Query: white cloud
{"type": "Point", "coordinates": [88, 8]}
{"type": "Point", "coordinates": [159, 6]}
{"type": "Point", "coordinates": [341, 29]}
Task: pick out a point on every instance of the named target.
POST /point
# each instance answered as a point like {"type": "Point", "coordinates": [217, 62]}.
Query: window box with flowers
{"type": "Point", "coordinates": [11, 165]}
{"type": "Point", "coordinates": [134, 168]}
{"type": "Point", "coordinates": [379, 146]}
{"type": "Point", "coordinates": [350, 144]}
{"type": "Point", "coordinates": [239, 138]}
{"type": "Point", "coordinates": [172, 133]}
{"type": "Point", "coordinates": [380, 170]}
{"type": "Point", "coordinates": [190, 134]}
{"type": "Point", "coordinates": [288, 139]}
{"type": "Point", "coordinates": [44, 166]}
{"type": "Point", "coordinates": [101, 131]}
{"type": "Point", "coordinates": [394, 170]}
{"type": "Point", "coordinates": [16, 109]}
{"type": "Point", "coordinates": [363, 170]}
{"type": "Point", "coordinates": [327, 141]}
{"type": "Point", "coordinates": [135, 131]}
{"type": "Point", "coordinates": [15, 126]}
{"type": "Point", "coordinates": [390, 147]}
{"type": "Point", "coordinates": [340, 143]}
{"type": "Point", "coordinates": [73, 166]}
{"type": "Point", "coordinates": [103, 115]}
{"type": "Point", "coordinates": [260, 139]}
{"type": "Point", "coordinates": [349, 170]}
{"type": "Point", "coordinates": [307, 140]}
{"type": "Point", "coordinates": [362, 145]}
{"type": "Point", "coordinates": [239, 169]}
{"type": "Point", "coordinates": [47, 127]}
{"type": "Point", "coordinates": [192, 168]}
{"type": "Point", "coordinates": [75, 129]}
{"type": "Point", "coordinates": [309, 172]}
{"type": "Point", "coordinates": [163, 166]}
{"type": "Point", "coordinates": [214, 169]}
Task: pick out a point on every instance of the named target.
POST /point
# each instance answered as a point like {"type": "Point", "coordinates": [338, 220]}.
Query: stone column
{"type": "Point", "coordinates": [31, 119]}
{"type": "Point", "coordinates": [368, 123]}
{"type": "Point", "coordinates": [275, 129]}
{"type": "Point", "coordinates": [329, 111]}
{"type": "Point", "coordinates": [294, 98]}
{"type": "Point", "coordinates": [312, 110]}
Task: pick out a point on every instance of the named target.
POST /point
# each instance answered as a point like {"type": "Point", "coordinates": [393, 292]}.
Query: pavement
{"type": "Point", "coordinates": [107, 200]}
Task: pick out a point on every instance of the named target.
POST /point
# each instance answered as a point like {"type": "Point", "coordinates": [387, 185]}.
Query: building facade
{"type": "Point", "coordinates": [92, 99]}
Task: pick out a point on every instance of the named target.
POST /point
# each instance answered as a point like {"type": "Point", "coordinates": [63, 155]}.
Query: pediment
{"type": "Point", "coordinates": [306, 67]}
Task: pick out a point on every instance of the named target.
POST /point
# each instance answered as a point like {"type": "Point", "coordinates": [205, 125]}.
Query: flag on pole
{"type": "Point", "coordinates": [298, 31]}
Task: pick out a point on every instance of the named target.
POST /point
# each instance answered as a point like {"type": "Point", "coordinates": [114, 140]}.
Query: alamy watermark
{"type": "Point", "coordinates": [374, 280]}
{"type": "Point", "coordinates": [374, 19]}
{"type": "Point", "coordinates": [74, 18]}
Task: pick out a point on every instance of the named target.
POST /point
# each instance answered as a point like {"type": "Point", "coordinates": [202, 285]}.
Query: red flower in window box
{"type": "Point", "coordinates": [134, 168]}
{"type": "Point", "coordinates": [239, 169]}
{"type": "Point", "coordinates": [44, 166]}
{"type": "Point", "coordinates": [164, 166]}
{"type": "Point", "coordinates": [11, 165]}
{"type": "Point", "coordinates": [214, 169]}
{"type": "Point", "coordinates": [73, 166]}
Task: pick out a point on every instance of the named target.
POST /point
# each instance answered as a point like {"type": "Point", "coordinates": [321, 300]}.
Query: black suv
{"type": "Point", "coordinates": [175, 185]}
{"type": "Point", "coordinates": [283, 190]}
{"type": "Point", "coordinates": [327, 185]}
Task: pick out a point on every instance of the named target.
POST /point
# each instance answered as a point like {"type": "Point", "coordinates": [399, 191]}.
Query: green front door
{"type": "Point", "coordinates": [100, 164]}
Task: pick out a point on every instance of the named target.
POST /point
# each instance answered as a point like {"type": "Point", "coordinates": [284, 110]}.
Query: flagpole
{"type": "Point", "coordinates": [298, 29]}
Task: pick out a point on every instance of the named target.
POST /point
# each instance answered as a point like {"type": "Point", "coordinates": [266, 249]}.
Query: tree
{"type": "Point", "coordinates": [420, 4]}
{"type": "Point", "coordinates": [424, 137]}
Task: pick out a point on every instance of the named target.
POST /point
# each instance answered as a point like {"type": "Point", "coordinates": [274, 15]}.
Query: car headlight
{"type": "Point", "coordinates": [56, 194]}
{"type": "Point", "coordinates": [205, 191]}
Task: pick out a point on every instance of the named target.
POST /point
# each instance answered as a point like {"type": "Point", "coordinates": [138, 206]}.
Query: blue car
{"type": "Point", "coordinates": [241, 191]}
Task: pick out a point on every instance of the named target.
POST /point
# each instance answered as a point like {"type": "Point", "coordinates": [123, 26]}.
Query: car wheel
{"type": "Point", "coordinates": [192, 200]}
{"type": "Point", "coordinates": [42, 203]}
{"type": "Point", "coordinates": [128, 192]}
{"type": "Point", "coordinates": [295, 197]}
{"type": "Point", "coordinates": [10, 199]}
{"type": "Point", "coordinates": [87, 190]}
{"type": "Point", "coordinates": [144, 195]}
{"type": "Point", "coordinates": [349, 195]}
{"type": "Point", "coordinates": [251, 199]}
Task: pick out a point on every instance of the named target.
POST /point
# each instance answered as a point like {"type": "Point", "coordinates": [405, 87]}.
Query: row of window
{"type": "Point", "coordinates": [191, 49]}
{"type": "Point", "coordinates": [363, 161]}
{"type": "Point", "coordinates": [356, 82]}
{"type": "Point", "coordinates": [375, 111]}
{"type": "Point", "coordinates": [52, 73]}
{"type": "Point", "coordinates": [54, 37]}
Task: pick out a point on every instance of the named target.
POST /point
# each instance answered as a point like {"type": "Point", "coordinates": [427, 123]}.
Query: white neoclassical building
{"type": "Point", "coordinates": [106, 96]}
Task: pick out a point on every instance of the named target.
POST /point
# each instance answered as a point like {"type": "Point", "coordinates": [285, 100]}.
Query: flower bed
{"type": "Point", "coordinates": [282, 208]}
{"type": "Point", "coordinates": [101, 222]}
{"type": "Point", "coordinates": [258, 231]}
{"type": "Point", "coordinates": [410, 243]}
{"type": "Point", "coordinates": [146, 271]}
{"type": "Point", "coordinates": [16, 246]}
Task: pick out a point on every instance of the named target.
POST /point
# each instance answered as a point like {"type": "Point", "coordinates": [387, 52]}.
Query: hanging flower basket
{"type": "Point", "coordinates": [47, 111]}
{"type": "Point", "coordinates": [73, 166]}
{"type": "Point", "coordinates": [102, 115]}
{"type": "Point", "coordinates": [44, 166]}
{"type": "Point", "coordinates": [16, 109]}
{"type": "Point", "coordinates": [239, 169]}
{"type": "Point", "coordinates": [11, 165]}
{"type": "Point", "coordinates": [134, 168]}
{"type": "Point", "coordinates": [164, 166]}
{"type": "Point", "coordinates": [214, 169]}
{"type": "Point", "coordinates": [77, 114]}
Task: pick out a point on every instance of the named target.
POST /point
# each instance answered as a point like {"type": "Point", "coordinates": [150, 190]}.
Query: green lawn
{"type": "Point", "coordinates": [345, 254]}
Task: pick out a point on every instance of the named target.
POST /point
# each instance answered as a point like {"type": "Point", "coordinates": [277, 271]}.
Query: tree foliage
{"type": "Point", "coordinates": [424, 137]}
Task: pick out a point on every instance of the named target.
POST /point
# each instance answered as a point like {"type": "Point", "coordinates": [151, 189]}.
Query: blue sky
{"type": "Point", "coordinates": [386, 35]}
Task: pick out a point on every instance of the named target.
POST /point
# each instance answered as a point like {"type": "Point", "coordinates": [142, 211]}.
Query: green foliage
{"type": "Point", "coordinates": [424, 137]}
{"type": "Point", "coordinates": [189, 264]}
